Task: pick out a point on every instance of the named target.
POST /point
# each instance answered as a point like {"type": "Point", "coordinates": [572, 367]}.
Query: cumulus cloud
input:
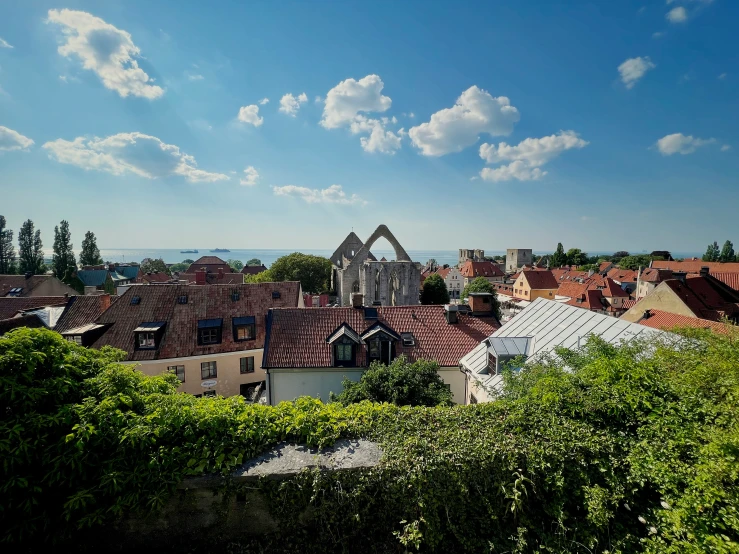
{"type": "Point", "coordinates": [290, 104]}
{"type": "Point", "coordinates": [379, 139]}
{"type": "Point", "coordinates": [677, 143]}
{"type": "Point", "coordinates": [250, 178]}
{"type": "Point", "coordinates": [634, 69]}
{"type": "Point", "coordinates": [527, 156]}
{"type": "Point", "coordinates": [332, 195]}
{"type": "Point", "coordinates": [106, 50]}
{"type": "Point", "coordinates": [264, 101]}
{"type": "Point", "coordinates": [12, 140]}
{"type": "Point", "coordinates": [454, 129]}
{"type": "Point", "coordinates": [135, 153]}
{"type": "Point", "coordinates": [344, 102]}
{"type": "Point", "coordinates": [677, 15]}
{"type": "Point", "coordinates": [725, 148]}
{"type": "Point", "coordinates": [250, 114]}
{"type": "Point", "coordinates": [4, 43]}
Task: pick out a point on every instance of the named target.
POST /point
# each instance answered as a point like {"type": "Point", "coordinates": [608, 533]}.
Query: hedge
{"type": "Point", "coordinates": [609, 449]}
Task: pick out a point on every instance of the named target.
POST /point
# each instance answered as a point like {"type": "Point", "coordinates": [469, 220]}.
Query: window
{"type": "Point", "coordinates": [182, 299]}
{"type": "Point", "coordinates": [408, 339]}
{"type": "Point", "coordinates": [344, 353]}
{"type": "Point", "coordinates": [77, 339]}
{"type": "Point", "coordinates": [178, 370]}
{"type": "Point", "coordinates": [235, 295]}
{"type": "Point", "coordinates": [209, 336]}
{"type": "Point", "coordinates": [135, 300]}
{"type": "Point", "coordinates": [247, 364]}
{"type": "Point", "coordinates": [209, 331]}
{"type": "Point", "coordinates": [275, 294]}
{"type": "Point", "coordinates": [209, 393]}
{"type": "Point", "coordinates": [208, 370]}
{"type": "Point", "coordinates": [244, 328]}
{"type": "Point", "coordinates": [245, 332]}
{"type": "Point", "coordinates": [145, 340]}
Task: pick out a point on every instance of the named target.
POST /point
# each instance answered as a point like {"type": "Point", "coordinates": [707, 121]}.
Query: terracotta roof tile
{"type": "Point", "coordinates": [654, 275]}
{"type": "Point", "coordinates": [622, 275]}
{"type": "Point", "coordinates": [214, 278]}
{"type": "Point", "coordinates": [472, 269]}
{"type": "Point", "coordinates": [706, 297]}
{"type": "Point", "coordinates": [179, 339]}
{"type": "Point", "coordinates": [82, 310]}
{"type": "Point", "coordinates": [297, 337]}
{"type": "Point", "coordinates": [539, 280]}
{"type": "Point", "coordinates": [694, 266]}
{"type": "Point", "coordinates": [28, 284]}
{"type": "Point", "coordinates": [589, 300]}
{"type": "Point", "coordinates": [158, 277]}
{"type": "Point", "coordinates": [665, 320]}
{"type": "Point", "coordinates": [729, 279]}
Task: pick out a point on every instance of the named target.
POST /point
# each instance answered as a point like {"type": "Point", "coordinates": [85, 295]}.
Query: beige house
{"type": "Point", "coordinates": [211, 337]}
{"type": "Point", "coordinates": [530, 285]}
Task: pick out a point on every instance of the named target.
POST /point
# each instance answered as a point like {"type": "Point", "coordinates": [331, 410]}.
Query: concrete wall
{"type": "Point", "coordinates": [662, 298]}
{"type": "Point", "coordinates": [288, 384]}
{"type": "Point", "coordinates": [228, 366]}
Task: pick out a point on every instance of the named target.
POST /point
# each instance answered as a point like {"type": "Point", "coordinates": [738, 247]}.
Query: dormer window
{"type": "Point", "coordinates": [148, 334]}
{"type": "Point", "coordinates": [344, 343]}
{"type": "Point", "coordinates": [209, 331]}
{"type": "Point", "coordinates": [244, 328]}
{"type": "Point", "coordinates": [380, 341]}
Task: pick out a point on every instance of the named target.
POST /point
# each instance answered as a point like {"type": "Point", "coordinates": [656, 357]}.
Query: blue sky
{"type": "Point", "coordinates": [603, 125]}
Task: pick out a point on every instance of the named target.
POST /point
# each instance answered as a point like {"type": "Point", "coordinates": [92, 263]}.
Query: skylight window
{"type": "Point", "coordinates": [135, 300]}
{"type": "Point", "coordinates": [182, 299]}
{"type": "Point", "coordinates": [408, 339]}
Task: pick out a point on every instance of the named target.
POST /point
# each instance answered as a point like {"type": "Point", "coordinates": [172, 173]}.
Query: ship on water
{"type": "Point", "coordinates": [220, 250]}
{"type": "Point", "coordinates": [188, 251]}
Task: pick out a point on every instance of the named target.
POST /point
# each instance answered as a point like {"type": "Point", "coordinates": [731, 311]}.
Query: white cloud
{"type": "Point", "coordinates": [534, 151]}
{"type": "Point", "coordinates": [725, 148]}
{"type": "Point", "coordinates": [4, 43]}
{"type": "Point", "coordinates": [250, 178]}
{"type": "Point", "coordinates": [332, 195]}
{"type": "Point", "coordinates": [264, 101]}
{"type": "Point", "coordinates": [135, 153]}
{"type": "Point", "coordinates": [634, 69]}
{"type": "Point", "coordinates": [348, 98]}
{"type": "Point", "coordinates": [517, 170]}
{"type": "Point", "coordinates": [290, 104]}
{"type": "Point", "coordinates": [105, 50]}
{"type": "Point", "coordinates": [195, 77]}
{"type": "Point", "coordinates": [454, 129]}
{"type": "Point", "coordinates": [379, 139]}
{"type": "Point", "coordinates": [527, 156]}
{"type": "Point", "coordinates": [250, 114]}
{"type": "Point", "coordinates": [12, 140]}
{"type": "Point", "coordinates": [677, 143]}
{"type": "Point", "coordinates": [677, 15]}
{"type": "Point", "coordinates": [658, 34]}
{"type": "Point", "coordinates": [722, 76]}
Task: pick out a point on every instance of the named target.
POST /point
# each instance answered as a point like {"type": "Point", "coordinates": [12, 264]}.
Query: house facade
{"type": "Point", "coordinates": [488, 270]}
{"type": "Point", "coordinates": [533, 284]}
{"type": "Point", "coordinates": [454, 281]}
{"type": "Point", "coordinates": [212, 336]}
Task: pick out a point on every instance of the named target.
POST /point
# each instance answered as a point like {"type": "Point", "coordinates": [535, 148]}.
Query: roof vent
{"type": "Point", "coordinates": [135, 300]}
{"type": "Point", "coordinates": [182, 299]}
{"type": "Point", "coordinates": [275, 294]}
{"type": "Point", "coordinates": [451, 312]}
{"type": "Point", "coordinates": [370, 313]}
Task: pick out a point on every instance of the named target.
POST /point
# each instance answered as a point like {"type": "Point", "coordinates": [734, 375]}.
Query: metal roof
{"type": "Point", "coordinates": [511, 346]}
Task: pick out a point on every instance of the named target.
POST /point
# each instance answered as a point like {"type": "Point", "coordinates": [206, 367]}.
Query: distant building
{"type": "Point", "coordinates": [468, 255]}
{"type": "Point", "coordinates": [205, 335]}
{"type": "Point", "coordinates": [380, 283]}
{"type": "Point", "coordinates": [649, 279]}
{"type": "Point", "coordinates": [33, 285]}
{"type": "Point", "coordinates": [310, 352]}
{"type": "Point", "coordinates": [626, 278]}
{"type": "Point", "coordinates": [533, 284]}
{"type": "Point", "coordinates": [516, 258]}
{"type": "Point", "coordinates": [253, 269]}
{"type": "Point", "coordinates": [205, 277]}
{"type": "Point", "coordinates": [488, 270]}
{"type": "Point", "coordinates": [210, 264]}
{"type": "Point", "coordinates": [454, 281]}
{"type": "Point", "coordinates": [107, 278]}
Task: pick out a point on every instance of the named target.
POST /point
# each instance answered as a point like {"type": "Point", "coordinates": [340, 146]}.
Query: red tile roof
{"type": "Point", "coordinates": [214, 278]}
{"type": "Point", "coordinates": [82, 310]}
{"type": "Point", "coordinates": [694, 266]}
{"type": "Point", "coordinates": [253, 269]}
{"type": "Point", "coordinates": [158, 277]}
{"type": "Point", "coordinates": [10, 306]}
{"type": "Point", "coordinates": [654, 275]}
{"type": "Point", "coordinates": [706, 297]}
{"type": "Point", "coordinates": [590, 300]}
{"type": "Point", "coordinates": [729, 279]}
{"type": "Point", "coordinates": [563, 274]}
{"type": "Point", "coordinates": [628, 304]}
{"type": "Point", "coordinates": [297, 337]}
{"type": "Point", "coordinates": [179, 339]}
{"type": "Point", "coordinates": [665, 320]}
{"type": "Point", "coordinates": [539, 280]}
{"type": "Point", "coordinates": [606, 285]}
{"type": "Point", "coordinates": [603, 266]}
{"type": "Point", "coordinates": [571, 289]}
{"type": "Point", "coordinates": [211, 264]}
{"type": "Point", "coordinates": [29, 320]}
{"type": "Point", "coordinates": [622, 275]}
{"type": "Point", "coordinates": [472, 269]}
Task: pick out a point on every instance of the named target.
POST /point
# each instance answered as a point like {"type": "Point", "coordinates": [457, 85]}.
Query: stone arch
{"type": "Point", "coordinates": [382, 231]}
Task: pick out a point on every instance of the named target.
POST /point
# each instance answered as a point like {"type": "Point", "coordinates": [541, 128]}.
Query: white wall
{"type": "Point", "coordinates": [455, 379]}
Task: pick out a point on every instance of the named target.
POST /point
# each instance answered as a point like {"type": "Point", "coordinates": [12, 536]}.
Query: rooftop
{"type": "Point", "coordinates": [657, 319]}
{"type": "Point", "coordinates": [472, 269]}
{"type": "Point", "coordinates": [538, 280]}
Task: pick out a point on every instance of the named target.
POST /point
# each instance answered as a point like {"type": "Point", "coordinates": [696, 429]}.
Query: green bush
{"type": "Point", "coordinates": [609, 449]}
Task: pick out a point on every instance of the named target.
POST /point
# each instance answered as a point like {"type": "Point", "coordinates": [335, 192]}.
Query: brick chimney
{"type": "Point", "coordinates": [481, 303]}
{"type": "Point", "coordinates": [680, 275]}
{"type": "Point", "coordinates": [200, 277]}
{"type": "Point", "coordinates": [704, 271]}
{"type": "Point", "coordinates": [357, 299]}
{"type": "Point", "coordinates": [104, 301]}
{"type": "Point", "coordinates": [220, 273]}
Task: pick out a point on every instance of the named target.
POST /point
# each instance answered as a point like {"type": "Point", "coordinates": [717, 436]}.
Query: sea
{"type": "Point", "coordinates": [267, 257]}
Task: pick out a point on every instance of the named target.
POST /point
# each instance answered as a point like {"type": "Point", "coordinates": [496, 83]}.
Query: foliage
{"type": "Point", "coordinates": [559, 258]}
{"type": "Point", "coordinates": [434, 290]}
{"type": "Point", "coordinates": [313, 272]}
{"type": "Point", "coordinates": [727, 252]}
{"type": "Point", "coordinates": [619, 449]}
{"type": "Point", "coordinates": [712, 253]}
{"type": "Point", "coordinates": [575, 256]}
{"type": "Point", "coordinates": [401, 383]}
{"type": "Point", "coordinates": [90, 254]}
{"type": "Point", "coordinates": [179, 268]}
{"type": "Point", "coordinates": [254, 261]}
{"type": "Point", "coordinates": [7, 251]}
{"type": "Point", "coordinates": [150, 265]}
{"type": "Point", "coordinates": [30, 250]}
{"type": "Point", "coordinates": [620, 254]}
{"type": "Point", "coordinates": [63, 259]}
{"type": "Point", "coordinates": [478, 284]}
{"type": "Point", "coordinates": [634, 262]}
{"type": "Point", "coordinates": [236, 265]}
{"type": "Point", "coordinates": [261, 277]}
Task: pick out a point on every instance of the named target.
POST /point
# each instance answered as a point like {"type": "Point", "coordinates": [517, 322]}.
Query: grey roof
{"type": "Point", "coordinates": [128, 271]}
{"type": "Point", "coordinates": [510, 346]}
{"type": "Point", "coordinates": [93, 277]}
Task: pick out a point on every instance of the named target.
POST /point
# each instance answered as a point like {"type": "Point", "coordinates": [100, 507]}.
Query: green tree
{"type": "Point", "coordinates": [261, 277]}
{"type": "Point", "coordinates": [313, 272]}
{"type": "Point", "coordinates": [90, 254]}
{"type": "Point", "coordinates": [434, 290]}
{"type": "Point", "coordinates": [634, 262]}
{"type": "Point", "coordinates": [30, 250]}
{"type": "Point", "coordinates": [559, 258]}
{"type": "Point", "coordinates": [712, 253]}
{"type": "Point", "coordinates": [179, 268]}
{"type": "Point", "coordinates": [480, 284]}
{"type": "Point", "coordinates": [575, 256]}
{"type": "Point", "coordinates": [7, 251]}
{"type": "Point", "coordinates": [63, 253]}
{"type": "Point", "coordinates": [401, 383]}
{"type": "Point", "coordinates": [150, 265]}
{"type": "Point", "coordinates": [727, 252]}
{"type": "Point", "coordinates": [254, 261]}
{"type": "Point", "coordinates": [236, 265]}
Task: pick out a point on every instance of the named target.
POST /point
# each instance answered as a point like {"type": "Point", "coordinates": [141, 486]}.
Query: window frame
{"type": "Point", "coordinates": [149, 342]}
{"type": "Point", "coordinates": [249, 326]}
{"type": "Point", "coordinates": [212, 368]}
{"type": "Point", "coordinates": [175, 369]}
{"type": "Point", "coordinates": [244, 365]}
{"type": "Point", "coordinates": [214, 331]}
{"type": "Point", "coordinates": [348, 350]}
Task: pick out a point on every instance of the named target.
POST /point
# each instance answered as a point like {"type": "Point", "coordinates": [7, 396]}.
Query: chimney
{"type": "Point", "coordinates": [451, 312]}
{"type": "Point", "coordinates": [679, 275]}
{"type": "Point", "coordinates": [481, 303]}
{"type": "Point", "coordinates": [200, 277]}
{"type": "Point", "coordinates": [704, 271]}
{"type": "Point", "coordinates": [28, 275]}
{"type": "Point", "coordinates": [220, 273]}
{"type": "Point", "coordinates": [647, 314]}
{"type": "Point", "coordinates": [357, 299]}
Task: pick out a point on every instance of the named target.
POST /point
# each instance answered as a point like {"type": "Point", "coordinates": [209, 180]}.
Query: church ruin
{"type": "Point", "coordinates": [381, 283]}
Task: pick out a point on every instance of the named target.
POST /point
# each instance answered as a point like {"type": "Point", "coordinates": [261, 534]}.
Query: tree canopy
{"type": "Point", "coordinates": [64, 262]}
{"type": "Point", "coordinates": [712, 253]}
{"type": "Point", "coordinates": [254, 261]}
{"type": "Point", "coordinates": [727, 252]}
{"type": "Point", "coordinates": [575, 256]}
{"type": "Point", "coordinates": [30, 250]}
{"type": "Point", "coordinates": [402, 383]}
{"type": "Point", "coordinates": [634, 262]}
{"type": "Point", "coordinates": [434, 290]}
{"type": "Point", "coordinates": [236, 265]}
{"type": "Point", "coordinates": [313, 272]}
{"type": "Point", "coordinates": [261, 277]}
{"type": "Point", "coordinates": [478, 284]}
{"type": "Point", "coordinates": [90, 254]}
{"type": "Point", "coordinates": [7, 251]}
{"type": "Point", "coordinates": [150, 265]}
{"type": "Point", "coordinates": [559, 258]}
